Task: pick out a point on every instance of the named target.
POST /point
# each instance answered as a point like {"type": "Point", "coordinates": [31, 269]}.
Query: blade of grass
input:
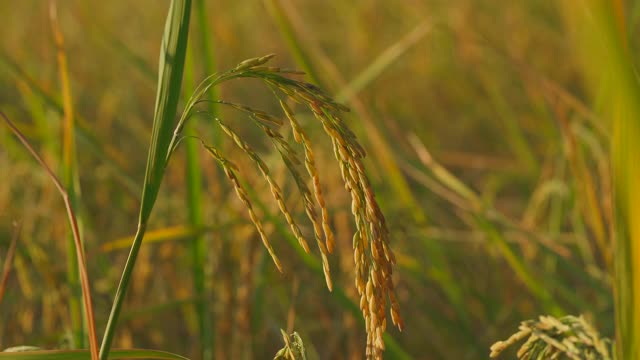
{"type": "Point", "coordinates": [172, 233]}
{"type": "Point", "coordinates": [37, 112]}
{"type": "Point", "coordinates": [84, 277]}
{"type": "Point", "coordinates": [125, 51]}
{"type": "Point", "coordinates": [208, 63]}
{"type": "Point", "coordinates": [381, 63]}
{"type": "Point", "coordinates": [285, 26]}
{"type": "Point", "coordinates": [172, 57]}
{"type": "Point", "coordinates": [198, 244]}
{"type": "Point", "coordinates": [589, 198]}
{"type": "Point", "coordinates": [207, 320]}
{"type": "Point", "coordinates": [83, 355]}
{"type": "Point", "coordinates": [70, 180]}
{"type": "Point", "coordinates": [600, 36]}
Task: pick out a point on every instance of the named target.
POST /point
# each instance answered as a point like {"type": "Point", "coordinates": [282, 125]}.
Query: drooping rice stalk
{"type": "Point", "coordinates": [318, 66]}
{"type": "Point", "coordinates": [372, 254]}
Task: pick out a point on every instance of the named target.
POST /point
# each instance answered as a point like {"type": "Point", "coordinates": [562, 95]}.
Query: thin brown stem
{"type": "Point", "coordinates": [84, 277]}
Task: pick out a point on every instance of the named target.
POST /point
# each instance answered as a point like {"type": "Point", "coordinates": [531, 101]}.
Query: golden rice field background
{"type": "Point", "coordinates": [493, 149]}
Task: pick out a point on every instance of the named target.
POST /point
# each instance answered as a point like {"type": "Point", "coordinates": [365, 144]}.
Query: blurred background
{"type": "Point", "coordinates": [483, 148]}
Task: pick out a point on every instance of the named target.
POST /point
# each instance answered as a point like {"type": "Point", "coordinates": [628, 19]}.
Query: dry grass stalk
{"type": "Point", "coordinates": [73, 222]}
{"type": "Point", "coordinates": [373, 257]}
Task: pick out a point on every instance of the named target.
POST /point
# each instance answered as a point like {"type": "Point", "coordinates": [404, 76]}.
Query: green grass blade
{"type": "Point", "coordinates": [85, 355]}
{"type": "Point", "coordinates": [197, 245]}
{"type": "Point", "coordinates": [137, 61]}
{"type": "Point", "coordinates": [383, 61]}
{"type": "Point", "coordinates": [172, 58]}
{"type": "Point", "coordinates": [208, 62]}
{"type": "Point", "coordinates": [601, 39]}
{"type": "Point", "coordinates": [71, 181]}
{"type": "Point", "coordinates": [173, 233]}
{"type": "Point", "coordinates": [293, 42]}
{"type": "Point", "coordinates": [207, 321]}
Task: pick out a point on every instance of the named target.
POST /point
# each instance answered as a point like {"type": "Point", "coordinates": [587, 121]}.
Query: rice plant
{"type": "Point", "coordinates": [373, 256]}
{"type": "Point", "coordinates": [549, 338]}
{"type": "Point", "coordinates": [293, 348]}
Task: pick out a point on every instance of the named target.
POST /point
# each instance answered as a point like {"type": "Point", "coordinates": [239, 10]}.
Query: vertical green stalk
{"type": "Point", "coordinates": [199, 247]}
{"type": "Point", "coordinates": [195, 216]}
{"type": "Point", "coordinates": [71, 183]}
{"type": "Point", "coordinates": [599, 31]}
{"type": "Point", "coordinates": [206, 324]}
{"type": "Point", "coordinates": [208, 61]}
{"type": "Point", "coordinates": [172, 58]}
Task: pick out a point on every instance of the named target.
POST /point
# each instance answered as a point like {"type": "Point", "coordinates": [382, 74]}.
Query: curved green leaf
{"type": "Point", "coordinates": [85, 354]}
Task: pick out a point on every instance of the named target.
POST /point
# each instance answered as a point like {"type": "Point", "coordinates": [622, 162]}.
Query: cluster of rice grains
{"type": "Point", "coordinates": [569, 337]}
{"type": "Point", "coordinates": [373, 257]}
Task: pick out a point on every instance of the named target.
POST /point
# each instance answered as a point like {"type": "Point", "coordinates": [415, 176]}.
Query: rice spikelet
{"type": "Point", "coordinates": [276, 192]}
{"type": "Point", "coordinates": [228, 168]}
{"type": "Point", "coordinates": [301, 137]}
